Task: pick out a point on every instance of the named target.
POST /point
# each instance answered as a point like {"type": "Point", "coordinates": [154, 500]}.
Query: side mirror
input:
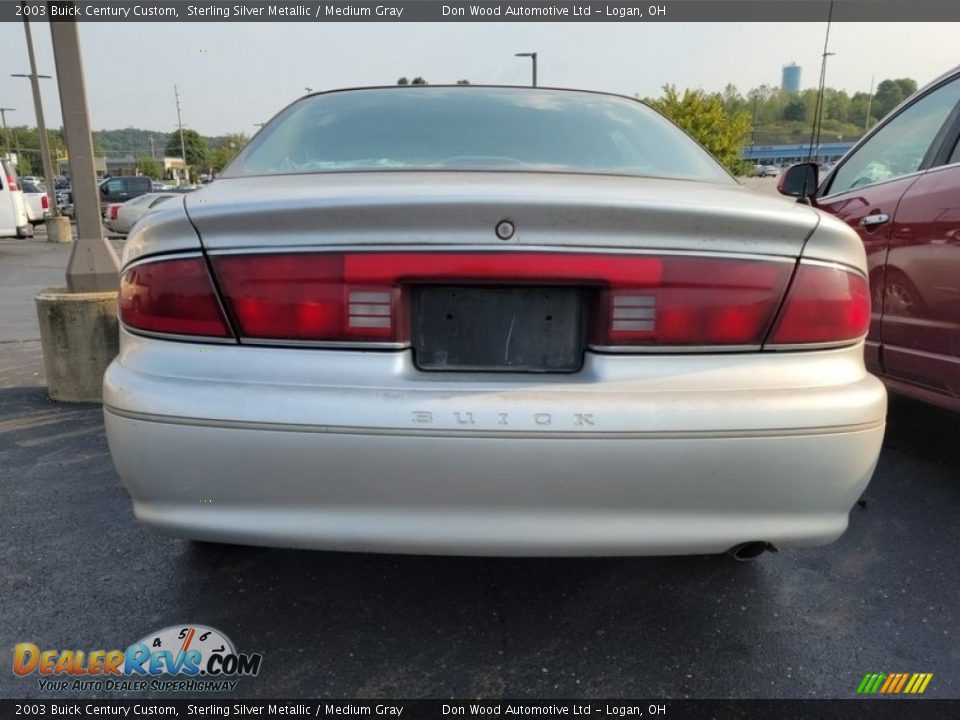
{"type": "Point", "coordinates": [799, 181]}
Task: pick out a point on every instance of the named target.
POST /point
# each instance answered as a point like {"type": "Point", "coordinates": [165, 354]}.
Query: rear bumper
{"type": "Point", "coordinates": [645, 455]}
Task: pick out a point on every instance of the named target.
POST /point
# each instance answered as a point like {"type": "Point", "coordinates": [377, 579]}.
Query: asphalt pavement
{"type": "Point", "coordinates": [77, 571]}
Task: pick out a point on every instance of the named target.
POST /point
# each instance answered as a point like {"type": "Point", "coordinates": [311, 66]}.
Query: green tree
{"type": "Point", "coordinates": [198, 154]}
{"type": "Point", "coordinates": [418, 81]}
{"type": "Point", "coordinates": [888, 95]}
{"type": "Point", "coordinates": [403, 81]}
{"type": "Point", "coordinates": [704, 117]}
{"type": "Point", "coordinates": [857, 114]}
{"type": "Point", "coordinates": [463, 82]}
{"type": "Point", "coordinates": [24, 165]}
{"type": "Point", "coordinates": [226, 150]}
{"type": "Point", "coordinates": [150, 167]}
{"type": "Point", "coordinates": [795, 111]}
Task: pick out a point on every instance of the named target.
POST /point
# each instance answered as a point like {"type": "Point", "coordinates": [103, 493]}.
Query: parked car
{"type": "Point", "coordinates": [899, 188]}
{"type": "Point", "coordinates": [769, 171]}
{"type": "Point", "coordinates": [36, 199]}
{"type": "Point", "coordinates": [14, 220]}
{"type": "Point", "coordinates": [121, 217]}
{"type": "Point", "coordinates": [121, 189]}
{"type": "Point", "coordinates": [524, 321]}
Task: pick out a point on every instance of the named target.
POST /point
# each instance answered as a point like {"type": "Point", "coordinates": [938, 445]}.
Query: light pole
{"type": "Point", "coordinates": [533, 57]}
{"type": "Point", "coordinates": [183, 147]}
{"type": "Point", "coordinates": [41, 125]}
{"type": "Point", "coordinates": [6, 132]}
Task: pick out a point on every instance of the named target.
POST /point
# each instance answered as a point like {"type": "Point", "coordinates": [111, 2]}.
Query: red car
{"type": "Point", "coordinates": [899, 188]}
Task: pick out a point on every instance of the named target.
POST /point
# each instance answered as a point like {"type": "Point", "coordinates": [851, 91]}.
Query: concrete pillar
{"type": "Point", "coordinates": [80, 337]}
{"type": "Point", "coordinates": [59, 229]}
{"type": "Point", "coordinates": [93, 263]}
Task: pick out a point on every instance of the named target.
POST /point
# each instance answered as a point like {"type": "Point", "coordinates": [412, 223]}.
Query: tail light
{"type": "Point", "coordinates": [172, 296]}
{"type": "Point", "coordinates": [825, 304]}
{"type": "Point", "coordinates": [11, 181]}
{"type": "Point", "coordinates": [643, 300]}
{"type": "Point", "coordinates": [694, 302]}
{"type": "Point", "coordinates": [114, 212]}
{"type": "Point", "coordinates": [638, 301]}
{"type": "Point", "coordinates": [44, 202]}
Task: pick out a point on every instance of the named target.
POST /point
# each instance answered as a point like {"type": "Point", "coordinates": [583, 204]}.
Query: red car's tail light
{"type": "Point", "coordinates": [171, 296]}
{"type": "Point", "coordinates": [825, 304]}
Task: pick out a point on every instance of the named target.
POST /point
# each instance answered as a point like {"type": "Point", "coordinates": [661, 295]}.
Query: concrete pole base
{"type": "Point", "coordinates": [79, 333]}
{"type": "Point", "coordinates": [58, 229]}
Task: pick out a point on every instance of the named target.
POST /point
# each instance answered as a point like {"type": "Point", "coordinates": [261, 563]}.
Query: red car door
{"type": "Point", "coordinates": [869, 211]}
{"type": "Point", "coordinates": [921, 298]}
{"type": "Point", "coordinates": [867, 190]}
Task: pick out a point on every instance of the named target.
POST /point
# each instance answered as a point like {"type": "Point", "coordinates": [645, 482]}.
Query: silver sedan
{"type": "Point", "coordinates": [503, 321]}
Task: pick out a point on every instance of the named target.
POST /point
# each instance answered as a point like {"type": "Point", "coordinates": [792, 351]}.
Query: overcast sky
{"type": "Point", "coordinates": [233, 75]}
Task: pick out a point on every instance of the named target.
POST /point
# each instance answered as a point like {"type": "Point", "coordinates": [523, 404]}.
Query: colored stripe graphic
{"type": "Point", "coordinates": [894, 683]}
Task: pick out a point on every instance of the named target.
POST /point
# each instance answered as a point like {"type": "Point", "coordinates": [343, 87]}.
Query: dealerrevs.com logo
{"type": "Point", "coordinates": [177, 658]}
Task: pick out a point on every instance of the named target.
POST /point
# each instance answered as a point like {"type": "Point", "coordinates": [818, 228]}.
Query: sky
{"type": "Point", "coordinates": [234, 75]}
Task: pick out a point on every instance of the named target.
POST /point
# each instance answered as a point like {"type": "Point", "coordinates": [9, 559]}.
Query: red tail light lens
{"type": "Point", "coordinates": [114, 212]}
{"type": "Point", "coordinates": [695, 301]}
{"type": "Point", "coordinates": [11, 182]}
{"type": "Point", "coordinates": [171, 296]}
{"type": "Point", "coordinates": [638, 300]}
{"type": "Point", "coordinates": [825, 304]}
{"type": "Point", "coordinates": [44, 202]}
{"type": "Point", "coordinates": [643, 299]}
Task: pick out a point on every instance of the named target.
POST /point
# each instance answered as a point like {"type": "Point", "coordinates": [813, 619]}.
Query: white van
{"type": "Point", "coordinates": [13, 208]}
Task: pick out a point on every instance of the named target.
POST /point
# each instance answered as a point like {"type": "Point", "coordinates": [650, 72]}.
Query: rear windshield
{"type": "Point", "coordinates": [471, 128]}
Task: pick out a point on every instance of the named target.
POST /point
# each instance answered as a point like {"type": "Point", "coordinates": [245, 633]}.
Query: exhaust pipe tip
{"type": "Point", "coordinates": [749, 551]}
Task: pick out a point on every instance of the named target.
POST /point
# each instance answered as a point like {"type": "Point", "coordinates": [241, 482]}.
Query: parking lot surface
{"type": "Point", "coordinates": [77, 571]}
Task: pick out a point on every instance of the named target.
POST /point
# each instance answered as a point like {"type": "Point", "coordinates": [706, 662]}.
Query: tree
{"type": "Point", "coordinates": [403, 81]}
{"type": "Point", "coordinates": [463, 82]}
{"type": "Point", "coordinates": [226, 150]}
{"type": "Point", "coordinates": [795, 111]}
{"type": "Point", "coordinates": [703, 116]}
{"type": "Point", "coordinates": [418, 81]}
{"type": "Point", "coordinates": [198, 154]}
{"type": "Point", "coordinates": [888, 95]}
{"type": "Point", "coordinates": [150, 167]}
{"type": "Point", "coordinates": [24, 166]}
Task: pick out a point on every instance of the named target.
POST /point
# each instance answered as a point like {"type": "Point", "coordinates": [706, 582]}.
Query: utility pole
{"type": "Point", "coordinates": [6, 132]}
{"type": "Point", "coordinates": [818, 111]}
{"type": "Point", "coordinates": [866, 123]}
{"type": "Point", "coordinates": [183, 146]}
{"type": "Point", "coordinates": [153, 150]}
{"type": "Point", "coordinates": [38, 108]}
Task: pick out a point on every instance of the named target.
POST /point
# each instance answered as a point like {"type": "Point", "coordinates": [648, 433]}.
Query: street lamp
{"type": "Point", "coordinates": [533, 57]}
{"type": "Point", "coordinates": [41, 126]}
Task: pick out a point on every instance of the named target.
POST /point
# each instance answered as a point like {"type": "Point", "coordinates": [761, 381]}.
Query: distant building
{"type": "Point", "coordinates": [790, 79]}
{"type": "Point", "coordinates": [790, 154]}
{"type": "Point", "coordinates": [99, 166]}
